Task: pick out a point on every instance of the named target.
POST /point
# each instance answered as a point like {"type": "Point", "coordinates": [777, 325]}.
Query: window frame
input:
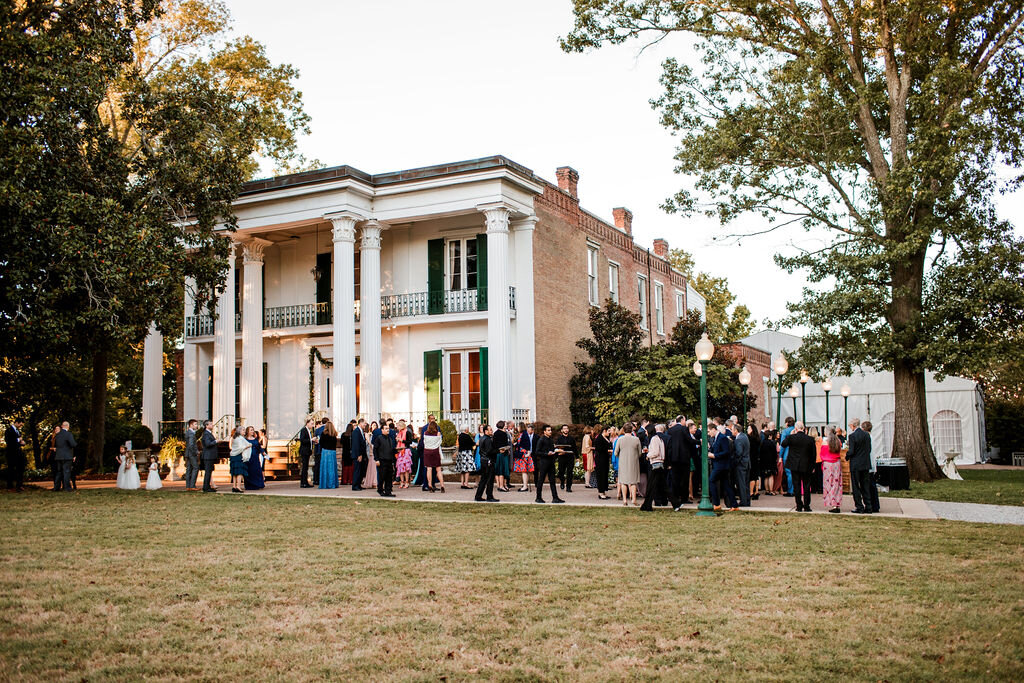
{"type": "Point", "coordinates": [613, 281]}
{"type": "Point", "coordinates": [659, 308]}
{"type": "Point", "coordinates": [592, 278]}
{"type": "Point", "coordinates": [642, 303]}
{"type": "Point", "coordinates": [464, 258]}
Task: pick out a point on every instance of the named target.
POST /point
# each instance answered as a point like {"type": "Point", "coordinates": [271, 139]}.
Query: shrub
{"type": "Point", "coordinates": [171, 449]}
{"type": "Point", "coordinates": [449, 434]}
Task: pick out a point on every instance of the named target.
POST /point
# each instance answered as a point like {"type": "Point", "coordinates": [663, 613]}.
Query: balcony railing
{"type": "Point", "coordinates": [391, 307]}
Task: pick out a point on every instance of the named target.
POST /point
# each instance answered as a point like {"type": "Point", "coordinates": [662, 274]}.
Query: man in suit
{"type": "Point", "coordinates": [678, 461]}
{"type": "Point", "coordinates": [65, 444]}
{"type": "Point", "coordinates": [305, 453]}
{"type": "Point", "coordinates": [316, 448]}
{"type": "Point", "coordinates": [800, 458]}
{"type": "Point", "coordinates": [787, 485]}
{"type": "Point", "coordinates": [720, 455]}
{"type": "Point", "coordinates": [384, 455]}
{"type": "Point", "coordinates": [360, 456]}
{"type": "Point", "coordinates": [566, 447]}
{"type": "Point", "coordinates": [858, 454]}
{"type": "Point", "coordinates": [209, 456]}
{"type": "Point", "coordinates": [544, 465]}
{"type": "Point", "coordinates": [15, 455]}
{"type": "Point", "coordinates": [191, 456]}
{"type": "Point", "coordinates": [488, 456]}
{"type": "Point", "coordinates": [417, 464]}
{"type": "Point", "coordinates": [742, 446]}
{"type": "Point", "coordinates": [873, 476]}
{"type": "Point", "coordinates": [694, 443]}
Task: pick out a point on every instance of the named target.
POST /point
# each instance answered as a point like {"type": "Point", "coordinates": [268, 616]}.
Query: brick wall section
{"type": "Point", "coordinates": [561, 298]}
{"type": "Point", "coordinates": [759, 365]}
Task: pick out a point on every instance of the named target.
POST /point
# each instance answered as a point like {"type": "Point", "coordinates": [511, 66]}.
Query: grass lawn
{"type": "Point", "coordinates": [996, 487]}
{"type": "Point", "coordinates": [117, 585]}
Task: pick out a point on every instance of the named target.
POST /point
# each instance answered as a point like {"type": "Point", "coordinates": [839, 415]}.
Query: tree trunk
{"type": "Point", "coordinates": [910, 440]}
{"type": "Point", "coordinates": [98, 412]}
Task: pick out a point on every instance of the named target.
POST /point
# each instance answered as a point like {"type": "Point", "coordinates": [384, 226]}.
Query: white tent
{"type": "Point", "coordinates": [956, 409]}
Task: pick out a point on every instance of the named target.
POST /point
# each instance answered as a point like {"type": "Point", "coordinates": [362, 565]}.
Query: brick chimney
{"type": "Point", "coordinates": [623, 220]}
{"type": "Point", "coordinates": [568, 178]}
{"type": "Point", "coordinates": [660, 248]}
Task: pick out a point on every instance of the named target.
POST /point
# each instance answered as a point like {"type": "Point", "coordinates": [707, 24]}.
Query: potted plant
{"type": "Point", "coordinates": [449, 437]}
{"type": "Point", "coordinates": [171, 451]}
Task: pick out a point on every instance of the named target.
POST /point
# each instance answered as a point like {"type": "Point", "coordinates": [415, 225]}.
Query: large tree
{"type": "Point", "coordinates": [879, 127]}
{"type": "Point", "coordinates": [128, 128]}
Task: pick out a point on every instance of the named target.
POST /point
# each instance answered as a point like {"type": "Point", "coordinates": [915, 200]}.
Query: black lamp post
{"type": "Point", "coordinates": [793, 393]}
{"type": "Point", "coordinates": [704, 350]}
{"type": "Point", "coordinates": [845, 391]}
{"type": "Point", "coordinates": [804, 379]}
{"type": "Point", "coordinates": [781, 368]}
{"type": "Point", "coordinates": [744, 381]}
{"type": "Point", "coordinates": [827, 386]}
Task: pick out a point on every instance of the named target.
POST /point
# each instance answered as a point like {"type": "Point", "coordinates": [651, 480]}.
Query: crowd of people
{"type": "Point", "coordinates": [658, 463]}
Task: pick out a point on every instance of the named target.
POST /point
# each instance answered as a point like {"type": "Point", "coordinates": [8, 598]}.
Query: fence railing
{"type": "Point", "coordinates": [391, 307]}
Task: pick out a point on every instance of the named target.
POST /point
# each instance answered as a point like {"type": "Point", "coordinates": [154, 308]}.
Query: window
{"type": "Point", "coordinates": [659, 307]}
{"type": "Point", "coordinates": [641, 285]}
{"type": "Point", "coordinates": [947, 434]}
{"type": "Point", "coordinates": [592, 274]}
{"type": "Point", "coordinates": [463, 390]}
{"type": "Point", "coordinates": [680, 306]}
{"type": "Point", "coordinates": [886, 434]}
{"type": "Point", "coordinates": [462, 264]}
{"type": "Point", "coordinates": [613, 282]}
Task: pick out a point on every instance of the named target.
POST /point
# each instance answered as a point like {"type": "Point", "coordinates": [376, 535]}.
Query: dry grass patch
{"type": "Point", "coordinates": [112, 585]}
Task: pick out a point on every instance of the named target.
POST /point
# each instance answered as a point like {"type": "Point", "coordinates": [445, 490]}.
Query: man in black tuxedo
{"type": "Point", "coordinates": [678, 461]}
{"type": "Point", "coordinates": [566, 447]}
{"type": "Point", "coordinates": [360, 455]}
{"type": "Point", "coordinates": [694, 442]}
{"type": "Point", "coordinates": [209, 456]}
{"type": "Point", "coordinates": [488, 455]}
{"type": "Point", "coordinates": [65, 444]}
{"type": "Point", "coordinates": [305, 453]}
{"type": "Point", "coordinates": [191, 456]}
{"type": "Point", "coordinates": [544, 465]}
{"type": "Point", "coordinates": [15, 455]}
{"type": "Point", "coordinates": [800, 461]}
{"type": "Point", "coordinates": [384, 455]}
{"type": "Point", "coordinates": [858, 453]}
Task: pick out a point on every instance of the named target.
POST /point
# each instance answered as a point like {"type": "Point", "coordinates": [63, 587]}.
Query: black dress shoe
{"type": "Point", "coordinates": [857, 512]}
{"type": "Point", "coordinates": [479, 500]}
{"type": "Point", "coordinates": [558, 500]}
{"type": "Point", "coordinates": [493, 500]}
{"type": "Point", "coordinates": [354, 488]}
{"type": "Point", "coordinates": [562, 485]}
{"type": "Point", "coordinates": [540, 500]}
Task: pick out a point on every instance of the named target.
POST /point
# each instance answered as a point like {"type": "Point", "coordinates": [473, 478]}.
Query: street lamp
{"type": "Point", "coordinates": [845, 391]}
{"type": "Point", "coordinates": [827, 386]}
{"type": "Point", "coordinates": [804, 379]}
{"type": "Point", "coordinates": [793, 393]}
{"type": "Point", "coordinates": [744, 380]}
{"type": "Point", "coordinates": [781, 368]}
{"type": "Point", "coordinates": [697, 369]}
{"type": "Point", "coordinates": [704, 350]}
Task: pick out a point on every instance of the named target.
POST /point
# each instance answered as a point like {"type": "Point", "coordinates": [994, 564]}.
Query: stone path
{"type": "Point", "coordinates": [978, 512]}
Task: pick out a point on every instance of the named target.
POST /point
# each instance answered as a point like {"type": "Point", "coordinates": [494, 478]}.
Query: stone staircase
{"type": "Point", "coordinates": [276, 467]}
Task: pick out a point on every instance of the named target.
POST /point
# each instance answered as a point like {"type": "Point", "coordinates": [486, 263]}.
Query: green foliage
{"type": "Point", "coordinates": [615, 345]}
{"type": "Point", "coordinates": [171, 448]}
{"type": "Point", "coordinates": [449, 433]}
{"type": "Point", "coordinates": [878, 127]}
{"type": "Point", "coordinates": [1003, 418]}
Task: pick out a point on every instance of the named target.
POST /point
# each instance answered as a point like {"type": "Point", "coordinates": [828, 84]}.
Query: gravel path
{"type": "Point", "coordinates": [978, 512]}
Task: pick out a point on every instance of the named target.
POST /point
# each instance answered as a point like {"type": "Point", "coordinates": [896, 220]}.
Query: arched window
{"type": "Point", "coordinates": [886, 434]}
{"type": "Point", "coordinates": [947, 433]}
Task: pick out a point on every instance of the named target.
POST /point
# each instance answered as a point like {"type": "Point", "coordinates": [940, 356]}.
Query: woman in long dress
{"type": "Point", "coordinates": [465, 461]}
{"type": "Point", "coordinates": [403, 458]}
{"type": "Point", "coordinates": [127, 473]}
{"type": "Point", "coordinates": [153, 480]}
{"type": "Point", "coordinates": [602, 460]}
{"type": "Point", "coordinates": [587, 453]}
{"type": "Point", "coordinates": [524, 454]}
{"type": "Point", "coordinates": [832, 471]}
{"type": "Point", "coordinates": [432, 457]}
{"type": "Point", "coordinates": [370, 480]}
{"type": "Point", "coordinates": [254, 468]}
{"type": "Point", "coordinates": [329, 457]}
{"type": "Point", "coordinates": [627, 449]}
{"type": "Point", "coordinates": [240, 451]}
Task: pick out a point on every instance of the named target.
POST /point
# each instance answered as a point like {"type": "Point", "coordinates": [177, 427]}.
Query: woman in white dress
{"type": "Point", "coordinates": [370, 479]}
{"type": "Point", "coordinates": [153, 480]}
{"type": "Point", "coordinates": [127, 473]}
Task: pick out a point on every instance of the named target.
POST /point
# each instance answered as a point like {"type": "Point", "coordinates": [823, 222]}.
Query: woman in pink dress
{"type": "Point", "coordinates": [403, 458]}
{"type": "Point", "coordinates": [370, 480]}
{"type": "Point", "coordinates": [832, 471]}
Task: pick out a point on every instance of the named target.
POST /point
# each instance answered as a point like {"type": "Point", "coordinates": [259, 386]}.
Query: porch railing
{"type": "Point", "coordinates": [202, 325]}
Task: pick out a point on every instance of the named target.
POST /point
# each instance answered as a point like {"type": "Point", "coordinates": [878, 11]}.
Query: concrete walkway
{"type": "Point", "coordinates": [905, 508]}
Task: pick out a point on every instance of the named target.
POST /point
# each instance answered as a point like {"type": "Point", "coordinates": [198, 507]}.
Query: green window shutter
{"type": "Point", "coordinates": [432, 381]}
{"type": "Point", "coordinates": [323, 288]}
{"type": "Point", "coordinates": [481, 273]}
{"type": "Point", "coordinates": [435, 276]}
{"type": "Point", "coordinates": [484, 383]}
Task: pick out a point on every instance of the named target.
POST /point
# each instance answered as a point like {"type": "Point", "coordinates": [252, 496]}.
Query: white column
{"type": "Point", "coordinates": [190, 376]}
{"type": "Point", "coordinates": [525, 395]}
{"type": "Point", "coordinates": [369, 320]}
{"type": "Point", "coordinates": [224, 345]}
{"type": "Point", "coordinates": [498, 311]}
{"type": "Point", "coordinates": [251, 385]}
{"type": "Point", "coordinates": [343, 375]}
{"type": "Point", "coordinates": [152, 381]}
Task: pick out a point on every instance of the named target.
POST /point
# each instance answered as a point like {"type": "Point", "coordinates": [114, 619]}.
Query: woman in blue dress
{"type": "Point", "coordinates": [254, 468]}
{"type": "Point", "coordinates": [329, 457]}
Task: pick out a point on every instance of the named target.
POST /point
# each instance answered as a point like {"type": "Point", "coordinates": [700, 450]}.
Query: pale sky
{"type": "Point", "coordinates": [396, 84]}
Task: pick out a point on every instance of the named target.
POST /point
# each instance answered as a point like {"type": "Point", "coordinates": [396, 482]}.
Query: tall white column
{"type": "Point", "coordinates": [152, 381]}
{"type": "Point", "coordinates": [191, 361]}
{"type": "Point", "coordinates": [369, 320]}
{"type": "Point", "coordinates": [251, 385]}
{"type": "Point", "coordinates": [525, 395]}
{"type": "Point", "coordinates": [224, 345]}
{"type": "Point", "coordinates": [343, 375]}
{"type": "Point", "coordinates": [499, 364]}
